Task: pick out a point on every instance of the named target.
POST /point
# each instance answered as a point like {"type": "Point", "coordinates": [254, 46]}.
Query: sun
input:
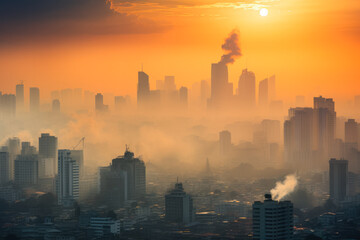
{"type": "Point", "coordinates": [264, 12]}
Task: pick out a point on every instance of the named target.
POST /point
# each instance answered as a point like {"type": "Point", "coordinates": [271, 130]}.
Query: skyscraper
{"type": "Point", "coordinates": [169, 84]}
{"type": "Point", "coordinates": [34, 99]}
{"type": "Point", "coordinates": [14, 149]}
{"type": "Point", "coordinates": [67, 182]}
{"type": "Point", "coordinates": [48, 146]}
{"type": "Point", "coordinates": [338, 179]}
{"type": "Point", "coordinates": [20, 97]}
{"type": "Point", "coordinates": [136, 174]}
{"type": "Point", "coordinates": [78, 156]}
{"type": "Point", "coordinates": [179, 206]}
{"type": "Point", "coordinates": [298, 138]}
{"type": "Point", "coordinates": [183, 97]}
{"type": "Point", "coordinates": [324, 127]}
{"type": "Point", "coordinates": [263, 93]}
{"type": "Point", "coordinates": [246, 89]}
{"type": "Point", "coordinates": [26, 166]}
{"type": "Point", "coordinates": [143, 89]}
{"type": "Point", "coordinates": [351, 132]}
{"type": "Point", "coordinates": [224, 142]}
{"type": "Point", "coordinates": [99, 103]}
{"type": "Point", "coordinates": [221, 89]}
{"type": "Point", "coordinates": [272, 220]}
{"type": "Point", "coordinates": [7, 105]}
{"type": "Point", "coordinates": [4, 166]}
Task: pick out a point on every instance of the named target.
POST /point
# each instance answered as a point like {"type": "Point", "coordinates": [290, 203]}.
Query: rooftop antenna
{"type": "Point", "coordinates": [126, 148]}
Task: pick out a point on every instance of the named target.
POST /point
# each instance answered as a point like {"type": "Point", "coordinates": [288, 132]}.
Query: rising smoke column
{"type": "Point", "coordinates": [284, 188]}
{"type": "Point", "coordinates": [231, 47]}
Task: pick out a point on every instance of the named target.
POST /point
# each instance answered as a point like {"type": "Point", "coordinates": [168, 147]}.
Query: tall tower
{"type": "Point", "coordinates": [179, 206]}
{"type": "Point", "coordinates": [4, 166]}
{"type": "Point", "coordinates": [34, 99]}
{"type": "Point", "coordinates": [26, 170]}
{"type": "Point", "coordinates": [263, 93]}
{"type": "Point", "coordinates": [246, 89]}
{"type": "Point", "coordinates": [338, 179]}
{"type": "Point", "coordinates": [272, 220]}
{"type": "Point", "coordinates": [67, 182]}
{"type": "Point", "coordinates": [351, 132]}
{"type": "Point", "coordinates": [48, 149]}
{"type": "Point", "coordinates": [224, 142]}
{"type": "Point", "coordinates": [20, 97]}
{"type": "Point", "coordinates": [143, 89]}
{"type": "Point", "coordinates": [325, 123]}
{"type": "Point", "coordinates": [221, 89]}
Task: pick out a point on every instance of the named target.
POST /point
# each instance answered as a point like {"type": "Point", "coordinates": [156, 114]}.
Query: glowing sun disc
{"type": "Point", "coordinates": [264, 12]}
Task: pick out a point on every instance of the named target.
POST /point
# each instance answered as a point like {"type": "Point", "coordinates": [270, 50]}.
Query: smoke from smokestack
{"type": "Point", "coordinates": [231, 47]}
{"type": "Point", "coordinates": [284, 188]}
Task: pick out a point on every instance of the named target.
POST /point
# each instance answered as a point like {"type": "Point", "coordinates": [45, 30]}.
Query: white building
{"type": "Point", "coordinates": [67, 184]}
{"type": "Point", "coordinates": [272, 220]}
{"type": "Point", "coordinates": [104, 226]}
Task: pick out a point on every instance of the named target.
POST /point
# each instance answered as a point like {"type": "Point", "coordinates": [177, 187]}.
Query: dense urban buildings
{"type": "Point", "coordinates": [338, 179]}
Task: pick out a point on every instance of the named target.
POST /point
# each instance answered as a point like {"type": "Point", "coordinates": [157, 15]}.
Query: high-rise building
{"type": "Point", "coordinates": [78, 156]}
{"type": "Point", "coordinates": [169, 84]}
{"type": "Point", "coordinates": [221, 89]}
{"type": "Point", "coordinates": [183, 97]}
{"type": "Point", "coordinates": [324, 127]}
{"type": "Point", "coordinates": [34, 99]}
{"type": "Point", "coordinates": [14, 149]}
{"type": "Point", "coordinates": [67, 182]}
{"type": "Point", "coordinates": [99, 103]}
{"type": "Point", "coordinates": [263, 93]}
{"type": "Point", "coordinates": [4, 166]}
{"type": "Point", "coordinates": [272, 220]}
{"type": "Point", "coordinates": [123, 180]}
{"type": "Point", "coordinates": [338, 179]}
{"type": "Point", "coordinates": [298, 138]}
{"type": "Point", "coordinates": [351, 132]}
{"type": "Point", "coordinates": [246, 89]}
{"type": "Point", "coordinates": [20, 97]}
{"type": "Point", "coordinates": [48, 147]}
{"type": "Point", "coordinates": [55, 106]}
{"type": "Point", "coordinates": [179, 206]}
{"type": "Point", "coordinates": [26, 166]}
{"type": "Point", "coordinates": [7, 105]}
{"type": "Point", "coordinates": [224, 142]}
{"type": "Point", "coordinates": [143, 89]}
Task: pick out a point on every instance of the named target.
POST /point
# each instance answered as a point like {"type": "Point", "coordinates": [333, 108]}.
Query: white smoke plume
{"type": "Point", "coordinates": [284, 188]}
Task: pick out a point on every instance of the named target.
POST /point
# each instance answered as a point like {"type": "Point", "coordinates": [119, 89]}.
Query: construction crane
{"type": "Point", "coordinates": [82, 140]}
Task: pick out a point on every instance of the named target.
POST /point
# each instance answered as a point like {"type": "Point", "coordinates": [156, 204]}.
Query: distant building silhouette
{"type": "Point", "coordinates": [55, 106]}
{"type": "Point", "coordinates": [183, 97]}
{"type": "Point", "coordinates": [179, 206]}
{"type": "Point", "coordinates": [14, 149]}
{"type": "Point", "coordinates": [351, 132]}
{"type": "Point", "coordinates": [221, 89]}
{"type": "Point", "coordinates": [272, 88]}
{"type": "Point", "coordinates": [7, 105]}
{"type": "Point", "coordinates": [143, 89]}
{"type": "Point", "coordinates": [224, 143]}
{"type": "Point", "coordinates": [272, 220]}
{"type": "Point", "coordinates": [20, 97]}
{"type": "Point", "coordinates": [169, 84]}
{"type": "Point", "coordinates": [99, 103]}
{"type": "Point", "coordinates": [34, 99]}
{"type": "Point", "coordinates": [246, 89]}
{"type": "Point", "coordinates": [264, 93]}
{"type": "Point", "coordinates": [338, 179]}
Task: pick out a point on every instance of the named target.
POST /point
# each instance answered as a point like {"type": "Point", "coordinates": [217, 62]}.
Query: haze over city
{"type": "Point", "coordinates": [179, 119]}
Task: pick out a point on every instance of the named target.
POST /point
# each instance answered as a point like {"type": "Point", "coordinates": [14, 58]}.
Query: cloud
{"type": "Point", "coordinates": [41, 18]}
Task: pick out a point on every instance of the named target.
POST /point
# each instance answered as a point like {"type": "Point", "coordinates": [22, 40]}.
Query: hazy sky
{"type": "Point", "coordinates": [312, 46]}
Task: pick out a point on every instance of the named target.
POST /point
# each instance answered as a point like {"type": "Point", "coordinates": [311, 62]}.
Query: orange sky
{"type": "Point", "coordinates": [312, 46]}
